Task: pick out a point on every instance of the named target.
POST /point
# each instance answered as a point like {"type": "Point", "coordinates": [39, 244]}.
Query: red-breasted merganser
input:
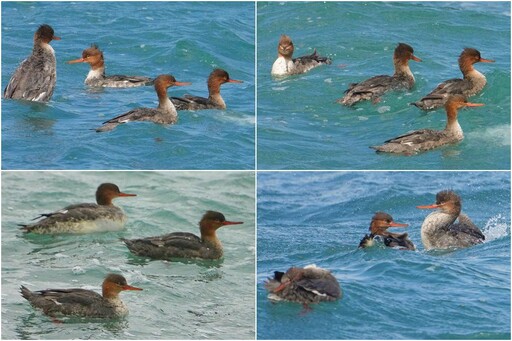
{"type": "Point", "coordinates": [426, 139]}
{"type": "Point", "coordinates": [439, 229]}
{"type": "Point", "coordinates": [96, 77]}
{"type": "Point", "coordinates": [285, 65]}
{"type": "Point", "coordinates": [472, 83]}
{"type": "Point", "coordinates": [307, 285]}
{"type": "Point", "coordinates": [165, 113]}
{"type": "Point", "coordinates": [84, 218]}
{"type": "Point", "coordinates": [82, 302]}
{"type": "Point", "coordinates": [184, 244]}
{"type": "Point", "coordinates": [214, 100]}
{"type": "Point", "coordinates": [373, 88]}
{"type": "Point", "coordinates": [378, 230]}
{"type": "Point", "coordinates": [34, 79]}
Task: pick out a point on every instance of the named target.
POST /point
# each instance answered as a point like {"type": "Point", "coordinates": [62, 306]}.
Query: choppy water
{"type": "Point", "coordinates": [300, 126]}
{"type": "Point", "coordinates": [186, 39]}
{"type": "Point", "coordinates": [196, 300]}
{"type": "Point", "coordinates": [320, 218]}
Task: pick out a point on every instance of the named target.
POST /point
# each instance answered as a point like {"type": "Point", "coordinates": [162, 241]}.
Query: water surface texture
{"type": "Point", "coordinates": [300, 126]}
{"type": "Point", "coordinates": [185, 39]}
{"type": "Point", "coordinates": [194, 300]}
{"type": "Point", "coordinates": [319, 218]}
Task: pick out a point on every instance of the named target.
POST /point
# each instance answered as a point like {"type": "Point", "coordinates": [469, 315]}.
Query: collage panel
{"type": "Point", "coordinates": [93, 45]}
{"type": "Point", "coordinates": [382, 254]}
{"type": "Point", "coordinates": [312, 116]}
{"type": "Point", "coordinates": [205, 297]}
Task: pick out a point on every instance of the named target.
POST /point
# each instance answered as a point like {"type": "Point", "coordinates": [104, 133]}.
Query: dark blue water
{"type": "Point", "coordinates": [320, 217]}
{"type": "Point", "coordinates": [185, 39]}
{"type": "Point", "coordinates": [300, 126]}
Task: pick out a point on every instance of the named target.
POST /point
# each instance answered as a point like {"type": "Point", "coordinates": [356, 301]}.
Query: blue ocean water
{"type": "Point", "coordinates": [185, 39]}
{"type": "Point", "coordinates": [300, 126]}
{"type": "Point", "coordinates": [195, 300]}
{"type": "Point", "coordinates": [320, 217]}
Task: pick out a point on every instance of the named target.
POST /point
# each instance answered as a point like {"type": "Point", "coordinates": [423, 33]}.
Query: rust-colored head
{"type": "Point", "coordinates": [381, 221]}
{"type": "Point", "coordinates": [91, 55]}
{"type": "Point", "coordinates": [456, 102]}
{"type": "Point", "coordinates": [114, 284]}
{"type": "Point", "coordinates": [218, 77]}
{"type": "Point", "coordinates": [471, 56]}
{"type": "Point", "coordinates": [212, 220]}
{"type": "Point", "coordinates": [107, 192]}
{"type": "Point", "coordinates": [166, 81]}
{"type": "Point", "coordinates": [45, 34]}
{"type": "Point", "coordinates": [403, 53]}
{"type": "Point", "coordinates": [285, 47]}
{"type": "Point", "coordinates": [447, 201]}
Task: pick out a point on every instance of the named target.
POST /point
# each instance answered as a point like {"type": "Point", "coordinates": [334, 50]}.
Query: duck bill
{"type": "Point", "coordinates": [129, 287]}
{"type": "Point", "coordinates": [282, 286]}
{"type": "Point", "coordinates": [427, 206]}
{"type": "Point", "coordinates": [483, 60]}
{"type": "Point", "coordinates": [468, 104]}
{"type": "Point", "coordinates": [393, 224]}
{"type": "Point", "coordinates": [232, 223]}
{"type": "Point", "coordinates": [182, 83]}
{"type": "Point", "coordinates": [234, 81]}
{"type": "Point", "coordinates": [121, 194]}
{"type": "Point", "coordinates": [56, 38]}
{"type": "Point", "coordinates": [74, 61]}
{"type": "Point", "coordinates": [416, 59]}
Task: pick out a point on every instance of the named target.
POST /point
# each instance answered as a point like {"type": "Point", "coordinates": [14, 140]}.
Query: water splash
{"type": "Point", "coordinates": [496, 227]}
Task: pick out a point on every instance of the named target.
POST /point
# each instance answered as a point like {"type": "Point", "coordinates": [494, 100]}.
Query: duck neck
{"type": "Point", "coordinates": [402, 69]}
{"type": "Point", "coordinates": [452, 124]}
{"type": "Point", "coordinates": [164, 103]}
{"type": "Point", "coordinates": [209, 235]}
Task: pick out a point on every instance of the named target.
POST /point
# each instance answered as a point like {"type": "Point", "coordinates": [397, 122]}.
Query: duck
{"type": "Point", "coordinates": [35, 78]}
{"type": "Point", "coordinates": [373, 88]}
{"type": "Point", "coordinates": [472, 83]}
{"type": "Point", "coordinates": [440, 229]}
{"type": "Point", "coordinates": [381, 221]}
{"type": "Point", "coordinates": [286, 65]}
{"type": "Point", "coordinates": [426, 139]}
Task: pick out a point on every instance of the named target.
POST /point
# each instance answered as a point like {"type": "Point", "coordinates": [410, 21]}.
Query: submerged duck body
{"type": "Point", "coordinates": [82, 302]}
{"type": "Point", "coordinates": [285, 65]}
{"type": "Point", "coordinates": [472, 83]}
{"type": "Point", "coordinates": [426, 139]}
{"type": "Point", "coordinates": [96, 76]}
{"type": "Point", "coordinates": [184, 244]}
{"type": "Point", "coordinates": [84, 218]}
{"type": "Point", "coordinates": [381, 221]}
{"type": "Point", "coordinates": [307, 285]}
{"type": "Point", "coordinates": [165, 113]}
{"type": "Point", "coordinates": [373, 88]}
{"type": "Point", "coordinates": [440, 229]}
{"type": "Point", "coordinates": [35, 78]}
{"type": "Point", "coordinates": [214, 101]}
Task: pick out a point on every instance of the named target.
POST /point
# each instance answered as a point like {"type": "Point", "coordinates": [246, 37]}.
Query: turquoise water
{"type": "Point", "coordinates": [186, 39]}
{"type": "Point", "coordinates": [300, 126]}
{"type": "Point", "coordinates": [198, 300]}
{"type": "Point", "coordinates": [320, 218]}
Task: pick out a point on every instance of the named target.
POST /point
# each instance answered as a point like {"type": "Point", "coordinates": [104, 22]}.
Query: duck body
{"type": "Point", "coordinates": [184, 244]}
{"type": "Point", "coordinates": [35, 78]}
{"type": "Point", "coordinates": [84, 218]}
{"type": "Point", "coordinates": [472, 83]}
{"type": "Point", "coordinates": [307, 285]}
{"type": "Point", "coordinates": [448, 227]}
{"type": "Point", "coordinates": [426, 139]}
{"type": "Point", "coordinates": [82, 302]}
{"type": "Point", "coordinates": [96, 76]}
{"type": "Point", "coordinates": [165, 113]}
{"type": "Point", "coordinates": [214, 101]}
{"type": "Point", "coordinates": [373, 88]}
{"type": "Point", "coordinates": [285, 65]}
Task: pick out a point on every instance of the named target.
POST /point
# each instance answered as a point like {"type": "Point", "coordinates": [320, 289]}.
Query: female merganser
{"type": "Point", "coordinates": [214, 100]}
{"type": "Point", "coordinates": [373, 88]}
{"type": "Point", "coordinates": [34, 79]}
{"type": "Point", "coordinates": [82, 302]}
{"type": "Point", "coordinates": [378, 230]}
{"type": "Point", "coordinates": [440, 231]}
{"type": "Point", "coordinates": [84, 218]}
{"type": "Point", "coordinates": [307, 285]}
{"type": "Point", "coordinates": [472, 83]}
{"type": "Point", "coordinates": [165, 113]}
{"type": "Point", "coordinates": [184, 244]}
{"type": "Point", "coordinates": [96, 77]}
{"type": "Point", "coordinates": [285, 65]}
{"type": "Point", "coordinates": [426, 139]}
